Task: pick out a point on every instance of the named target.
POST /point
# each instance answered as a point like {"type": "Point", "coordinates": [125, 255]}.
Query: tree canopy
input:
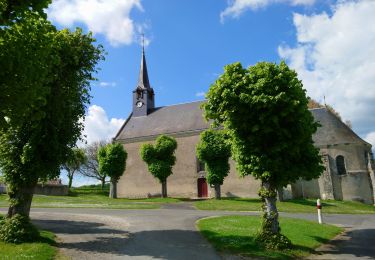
{"type": "Point", "coordinates": [214, 150]}
{"type": "Point", "coordinates": [74, 162]}
{"type": "Point", "coordinates": [264, 109]}
{"type": "Point", "coordinates": [45, 81]}
{"type": "Point", "coordinates": [91, 167]}
{"type": "Point", "coordinates": [160, 158]}
{"type": "Point", "coordinates": [13, 10]}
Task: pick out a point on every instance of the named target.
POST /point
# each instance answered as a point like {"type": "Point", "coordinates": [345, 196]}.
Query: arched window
{"type": "Point", "coordinates": [340, 164]}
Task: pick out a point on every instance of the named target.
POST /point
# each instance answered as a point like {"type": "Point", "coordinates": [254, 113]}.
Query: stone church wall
{"type": "Point", "coordinates": [236, 186]}
{"type": "Point", "coordinates": [354, 185]}
{"type": "Point", "coordinates": [137, 182]}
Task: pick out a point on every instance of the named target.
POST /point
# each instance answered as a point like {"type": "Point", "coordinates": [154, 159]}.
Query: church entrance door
{"type": "Point", "coordinates": [202, 188]}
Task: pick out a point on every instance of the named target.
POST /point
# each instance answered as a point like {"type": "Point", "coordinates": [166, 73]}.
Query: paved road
{"type": "Point", "coordinates": [170, 233]}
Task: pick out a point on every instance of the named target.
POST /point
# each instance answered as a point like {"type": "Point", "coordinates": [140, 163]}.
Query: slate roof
{"type": "Point", "coordinates": [333, 130]}
{"type": "Point", "coordinates": [187, 118]}
{"type": "Point", "coordinates": [165, 120]}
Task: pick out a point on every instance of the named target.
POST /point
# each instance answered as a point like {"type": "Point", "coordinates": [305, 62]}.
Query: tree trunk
{"type": "Point", "coordinates": [22, 198]}
{"type": "Point", "coordinates": [280, 193]}
{"type": "Point", "coordinates": [164, 189]}
{"type": "Point", "coordinates": [217, 191]}
{"type": "Point", "coordinates": [70, 177]}
{"type": "Point", "coordinates": [113, 189]}
{"type": "Point", "coordinates": [103, 183]}
{"type": "Point", "coordinates": [271, 216]}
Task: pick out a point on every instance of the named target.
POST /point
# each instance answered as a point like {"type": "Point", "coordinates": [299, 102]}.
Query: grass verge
{"type": "Point", "coordinates": [235, 235]}
{"type": "Point", "coordinates": [92, 199]}
{"type": "Point", "coordinates": [42, 249]}
{"type": "Point", "coordinates": [296, 205]}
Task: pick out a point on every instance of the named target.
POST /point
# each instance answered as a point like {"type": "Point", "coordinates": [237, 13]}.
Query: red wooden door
{"type": "Point", "coordinates": [202, 188]}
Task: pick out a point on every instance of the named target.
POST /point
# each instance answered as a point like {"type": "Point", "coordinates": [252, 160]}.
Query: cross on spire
{"type": "Point", "coordinates": [143, 41]}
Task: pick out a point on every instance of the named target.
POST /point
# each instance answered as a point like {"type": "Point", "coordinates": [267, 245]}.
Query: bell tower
{"type": "Point", "coordinates": [143, 95]}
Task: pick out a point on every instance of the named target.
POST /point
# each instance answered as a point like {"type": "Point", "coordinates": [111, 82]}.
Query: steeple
{"type": "Point", "coordinates": [143, 81]}
{"type": "Point", "coordinates": [143, 95]}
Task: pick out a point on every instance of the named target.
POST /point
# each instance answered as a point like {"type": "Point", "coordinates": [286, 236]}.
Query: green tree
{"type": "Point", "coordinates": [35, 140]}
{"type": "Point", "coordinates": [26, 59]}
{"type": "Point", "coordinates": [264, 110]}
{"type": "Point", "coordinates": [214, 150]}
{"type": "Point", "coordinates": [91, 167]}
{"type": "Point", "coordinates": [74, 163]}
{"type": "Point", "coordinates": [112, 163]}
{"type": "Point", "coordinates": [160, 159]}
{"type": "Point", "coordinates": [13, 10]}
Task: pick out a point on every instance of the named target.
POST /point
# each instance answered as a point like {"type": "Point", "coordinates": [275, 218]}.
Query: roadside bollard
{"type": "Point", "coordinates": [319, 207]}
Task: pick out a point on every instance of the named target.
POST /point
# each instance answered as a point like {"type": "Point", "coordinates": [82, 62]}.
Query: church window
{"type": "Point", "coordinates": [200, 166]}
{"type": "Point", "coordinates": [340, 164]}
{"type": "Point", "coordinates": [139, 94]}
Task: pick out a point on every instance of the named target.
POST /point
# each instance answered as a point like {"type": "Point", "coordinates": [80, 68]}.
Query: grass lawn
{"type": "Point", "coordinates": [86, 198]}
{"type": "Point", "coordinates": [235, 234]}
{"type": "Point", "coordinates": [296, 205]}
{"type": "Point", "coordinates": [43, 249]}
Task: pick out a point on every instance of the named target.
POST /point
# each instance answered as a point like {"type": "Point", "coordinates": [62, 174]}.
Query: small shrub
{"type": "Point", "coordinates": [18, 229]}
{"type": "Point", "coordinates": [274, 241]}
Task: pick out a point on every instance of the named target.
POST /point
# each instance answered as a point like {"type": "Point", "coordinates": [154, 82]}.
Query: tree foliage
{"type": "Point", "coordinates": [160, 158]}
{"type": "Point", "coordinates": [26, 59]}
{"type": "Point", "coordinates": [214, 150]}
{"type": "Point", "coordinates": [45, 86]}
{"type": "Point", "coordinates": [264, 109]}
{"type": "Point", "coordinates": [112, 163]}
{"type": "Point", "coordinates": [74, 162]}
{"type": "Point", "coordinates": [14, 10]}
{"type": "Point", "coordinates": [91, 167]}
{"type": "Point", "coordinates": [18, 229]}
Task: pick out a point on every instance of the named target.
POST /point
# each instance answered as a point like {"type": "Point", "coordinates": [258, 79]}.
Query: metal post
{"type": "Point", "coordinates": [319, 207]}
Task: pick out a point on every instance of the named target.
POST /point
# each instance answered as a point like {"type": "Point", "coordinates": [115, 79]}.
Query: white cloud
{"type": "Point", "coordinates": [98, 126]}
{"type": "Point", "coordinates": [335, 58]}
{"type": "Point", "coordinates": [107, 84]}
{"type": "Point", "coordinates": [200, 94]}
{"type": "Point", "coordinates": [108, 17]}
{"type": "Point", "coordinates": [370, 138]}
{"type": "Point", "coordinates": [237, 7]}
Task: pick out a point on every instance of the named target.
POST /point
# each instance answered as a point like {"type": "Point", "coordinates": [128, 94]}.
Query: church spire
{"type": "Point", "coordinates": [143, 95]}
{"type": "Point", "coordinates": [143, 81]}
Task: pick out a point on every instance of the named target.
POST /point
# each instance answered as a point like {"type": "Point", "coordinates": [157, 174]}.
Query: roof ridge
{"type": "Point", "coordinates": [178, 104]}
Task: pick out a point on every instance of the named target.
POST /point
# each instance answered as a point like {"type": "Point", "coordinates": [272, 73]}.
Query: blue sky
{"type": "Point", "coordinates": [329, 43]}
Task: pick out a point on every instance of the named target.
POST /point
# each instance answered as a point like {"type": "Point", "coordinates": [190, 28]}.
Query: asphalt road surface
{"type": "Point", "coordinates": [170, 233]}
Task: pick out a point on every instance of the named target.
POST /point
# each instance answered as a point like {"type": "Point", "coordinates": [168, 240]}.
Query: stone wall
{"type": "Point", "coordinates": [137, 182]}
{"type": "Point", "coordinates": [355, 185]}
{"type": "Point", "coordinates": [51, 189]}
{"type": "Point", "coordinates": [45, 189]}
{"type": "Point", "coordinates": [3, 188]}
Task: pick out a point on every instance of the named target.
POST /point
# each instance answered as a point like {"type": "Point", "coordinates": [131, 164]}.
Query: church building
{"type": "Point", "coordinates": [348, 175]}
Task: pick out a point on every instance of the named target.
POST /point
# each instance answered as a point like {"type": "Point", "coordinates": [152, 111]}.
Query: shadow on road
{"type": "Point", "coordinates": [95, 239]}
{"type": "Point", "coordinates": [358, 243]}
{"type": "Point", "coordinates": [75, 227]}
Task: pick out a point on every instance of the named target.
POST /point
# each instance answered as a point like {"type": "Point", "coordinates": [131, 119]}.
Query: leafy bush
{"type": "Point", "coordinates": [18, 229]}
